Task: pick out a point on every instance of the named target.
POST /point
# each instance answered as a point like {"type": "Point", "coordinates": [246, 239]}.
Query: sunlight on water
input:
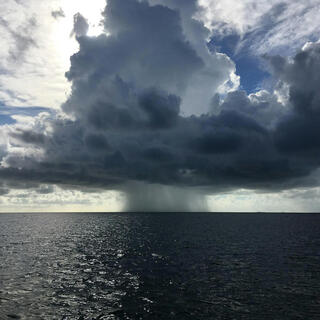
{"type": "Point", "coordinates": [159, 266]}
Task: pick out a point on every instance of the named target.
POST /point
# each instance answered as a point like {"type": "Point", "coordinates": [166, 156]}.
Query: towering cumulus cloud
{"type": "Point", "coordinates": [145, 116]}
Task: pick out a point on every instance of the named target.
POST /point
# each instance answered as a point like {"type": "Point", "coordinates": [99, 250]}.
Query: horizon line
{"type": "Point", "coordinates": [160, 212]}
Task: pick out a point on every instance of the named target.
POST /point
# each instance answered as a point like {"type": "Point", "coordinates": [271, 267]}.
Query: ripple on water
{"type": "Point", "coordinates": [178, 266]}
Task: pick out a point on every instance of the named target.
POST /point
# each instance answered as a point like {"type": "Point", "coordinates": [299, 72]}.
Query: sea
{"type": "Point", "coordinates": [159, 266]}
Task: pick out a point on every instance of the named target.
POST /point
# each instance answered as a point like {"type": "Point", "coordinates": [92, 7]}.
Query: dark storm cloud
{"type": "Point", "coordinates": [28, 136]}
{"type": "Point", "coordinates": [126, 124]}
{"type": "Point", "coordinates": [298, 133]}
{"type": "Point", "coordinates": [96, 141]}
{"type": "Point", "coordinates": [262, 108]}
{"type": "Point", "coordinates": [217, 142]}
{"type": "Point", "coordinates": [303, 77]}
{"type": "Point", "coordinates": [3, 191]}
{"type": "Point", "coordinates": [162, 111]}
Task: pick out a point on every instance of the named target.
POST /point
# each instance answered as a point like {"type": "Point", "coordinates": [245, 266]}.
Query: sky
{"type": "Point", "coordinates": [160, 105]}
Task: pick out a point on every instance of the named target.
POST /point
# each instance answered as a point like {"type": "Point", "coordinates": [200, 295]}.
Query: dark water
{"type": "Point", "coordinates": [159, 266]}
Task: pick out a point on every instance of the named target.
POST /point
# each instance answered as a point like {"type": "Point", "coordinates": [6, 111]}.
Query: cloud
{"type": "Point", "coordinates": [26, 77]}
{"type": "Point", "coordinates": [10, 115]}
{"type": "Point", "coordinates": [58, 13]}
{"type": "Point", "coordinates": [36, 49]}
{"type": "Point", "coordinates": [22, 38]}
{"type": "Point", "coordinates": [80, 25]}
{"type": "Point", "coordinates": [274, 27]}
{"type": "Point", "coordinates": [296, 133]}
{"type": "Point", "coordinates": [28, 136]}
{"type": "Point", "coordinates": [49, 198]}
{"type": "Point", "coordinates": [125, 125]}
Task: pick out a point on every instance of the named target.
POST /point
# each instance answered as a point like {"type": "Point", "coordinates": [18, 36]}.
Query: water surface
{"type": "Point", "coordinates": [160, 266]}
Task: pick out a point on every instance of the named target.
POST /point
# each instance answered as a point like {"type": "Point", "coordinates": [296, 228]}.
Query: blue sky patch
{"type": "Point", "coordinates": [248, 67]}
{"type": "Point", "coordinates": [6, 113]}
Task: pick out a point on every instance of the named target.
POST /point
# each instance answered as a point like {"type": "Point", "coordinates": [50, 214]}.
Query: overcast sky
{"type": "Point", "coordinates": [159, 105]}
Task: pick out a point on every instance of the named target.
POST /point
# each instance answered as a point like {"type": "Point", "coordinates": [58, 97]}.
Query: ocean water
{"type": "Point", "coordinates": [160, 266]}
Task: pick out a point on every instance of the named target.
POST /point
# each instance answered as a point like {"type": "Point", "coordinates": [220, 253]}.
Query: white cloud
{"type": "Point", "coordinates": [58, 199]}
{"type": "Point", "coordinates": [36, 48]}
{"type": "Point", "coordinates": [271, 26]}
{"type": "Point", "coordinates": [296, 200]}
